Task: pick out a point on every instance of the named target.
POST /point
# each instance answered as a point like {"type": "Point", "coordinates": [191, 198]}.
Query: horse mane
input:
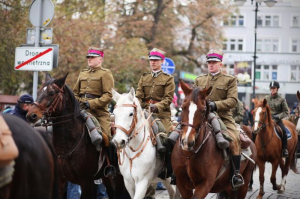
{"type": "Point", "coordinates": [195, 97]}
{"type": "Point", "coordinates": [269, 113]}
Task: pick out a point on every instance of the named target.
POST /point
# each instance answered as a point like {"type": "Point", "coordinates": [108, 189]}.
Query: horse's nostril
{"type": "Point", "coordinates": [191, 144]}
{"type": "Point", "coordinates": [33, 116]}
{"type": "Point", "coordinates": [123, 142]}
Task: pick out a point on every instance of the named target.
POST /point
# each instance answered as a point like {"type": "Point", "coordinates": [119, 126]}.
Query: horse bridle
{"type": "Point", "coordinates": [57, 102]}
{"type": "Point", "coordinates": [129, 132]}
{"type": "Point", "coordinates": [263, 124]}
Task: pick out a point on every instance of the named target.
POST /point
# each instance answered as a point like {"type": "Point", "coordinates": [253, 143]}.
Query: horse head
{"type": "Point", "coordinates": [194, 114]}
{"type": "Point", "coordinates": [51, 100]}
{"type": "Point", "coordinates": [127, 111]}
{"type": "Point", "coordinates": [262, 116]}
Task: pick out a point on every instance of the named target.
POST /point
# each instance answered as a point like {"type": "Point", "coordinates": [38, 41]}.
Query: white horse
{"type": "Point", "coordinates": [136, 152]}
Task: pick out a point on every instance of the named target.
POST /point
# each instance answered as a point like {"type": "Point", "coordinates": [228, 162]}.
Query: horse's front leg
{"type": "Point", "coordinates": [273, 176]}
{"type": "Point", "coordinates": [261, 166]}
{"type": "Point", "coordinates": [202, 189]}
{"type": "Point", "coordinates": [140, 189]}
{"type": "Point", "coordinates": [169, 187]}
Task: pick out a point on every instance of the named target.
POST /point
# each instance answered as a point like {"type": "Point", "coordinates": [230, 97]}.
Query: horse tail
{"type": "Point", "coordinates": [294, 160]}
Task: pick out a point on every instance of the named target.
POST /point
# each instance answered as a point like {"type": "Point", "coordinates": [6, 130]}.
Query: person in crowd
{"type": "Point", "coordinates": [279, 110]}
{"type": "Point", "coordinates": [23, 106]}
{"type": "Point", "coordinates": [7, 109]}
{"type": "Point", "coordinates": [238, 112]}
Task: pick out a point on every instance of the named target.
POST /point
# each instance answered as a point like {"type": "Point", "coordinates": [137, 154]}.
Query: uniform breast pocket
{"type": "Point", "coordinates": [96, 83]}
{"type": "Point", "coordinates": [147, 87]}
{"type": "Point", "coordinates": [159, 88]}
{"type": "Point", "coordinates": [222, 92]}
{"type": "Point", "coordinates": [83, 82]}
{"type": "Point", "coordinates": [202, 87]}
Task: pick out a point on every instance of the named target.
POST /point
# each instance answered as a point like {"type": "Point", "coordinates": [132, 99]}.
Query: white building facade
{"type": "Point", "coordinates": [278, 48]}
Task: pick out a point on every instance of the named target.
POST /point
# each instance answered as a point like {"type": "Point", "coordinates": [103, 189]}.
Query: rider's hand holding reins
{"type": "Point", "coordinates": [86, 105]}
{"type": "Point", "coordinates": [213, 106]}
{"type": "Point", "coordinates": [153, 108]}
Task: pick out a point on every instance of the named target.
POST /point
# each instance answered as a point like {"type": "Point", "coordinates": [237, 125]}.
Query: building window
{"type": "Point", "coordinates": [234, 21]}
{"type": "Point", "coordinates": [296, 21]}
{"type": "Point", "coordinates": [295, 45]}
{"type": "Point", "coordinates": [295, 73]}
{"type": "Point", "coordinates": [266, 72]}
{"type": "Point", "coordinates": [268, 20]}
{"type": "Point", "coordinates": [229, 68]}
{"type": "Point", "coordinates": [233, 44]}
{"type": "Point", "coordinates": [267, 45]}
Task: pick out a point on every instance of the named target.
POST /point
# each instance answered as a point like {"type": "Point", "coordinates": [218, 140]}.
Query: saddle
{"type": "Point", "coordinates": [245, 140]}
{"type": "Point", "coordinates": [8, 148]}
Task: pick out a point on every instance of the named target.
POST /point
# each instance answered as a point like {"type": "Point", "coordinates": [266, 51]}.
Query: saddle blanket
{"type": "Point", "coordinates": [288, 133]}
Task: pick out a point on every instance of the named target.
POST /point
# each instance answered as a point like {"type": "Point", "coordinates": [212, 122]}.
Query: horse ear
{"type": "Point", "coordinates": [298, 95]}
{"type": "Point", "coordinates": [48, 77]}
{"type": "Point", "coordinates": [185, 88]}
{"type": "Point", "coordinates": [205, 92]}
{"type": "Point", "coordinates": [115, 95]}
{"type": "Point", "coordinates": [132, 93]}
{"type": "Point", "coordinates": [264, 103]}
{"type": "Point", "coordinates": [61, 81]}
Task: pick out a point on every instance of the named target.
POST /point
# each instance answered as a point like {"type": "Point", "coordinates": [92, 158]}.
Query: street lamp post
{"type": "Point", "coordinates": [269, 3]}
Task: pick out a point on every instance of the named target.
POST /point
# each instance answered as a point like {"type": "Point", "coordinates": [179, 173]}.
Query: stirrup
{"type": "Point", "coordinates": [285, 153]}
{"type": "Point", "coordinates": [237, 186]}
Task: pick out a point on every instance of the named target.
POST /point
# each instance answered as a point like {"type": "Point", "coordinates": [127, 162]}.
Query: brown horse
{"type": "Point", "coordinates": [196, 159]}
{"type": "Point", "coordinates": [269, 147]}
{"type": "Point", "coordinates": [35, 171]}
{"type": "Point", "coordinates": [295, 118]}
{"type": "Point", "coordinates": [78, 159]}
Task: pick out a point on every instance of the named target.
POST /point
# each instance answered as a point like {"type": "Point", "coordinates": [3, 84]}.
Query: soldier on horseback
{"type": "Point", "coordinates": [156, 90]}
{"type": "Point", "coordinates": [93, 90]}
{"type": "Point", "coordinates": [279, 109]}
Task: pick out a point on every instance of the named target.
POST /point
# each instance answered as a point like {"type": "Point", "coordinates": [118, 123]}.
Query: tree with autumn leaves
{"type": "Point", "coordinates": [126, 30]}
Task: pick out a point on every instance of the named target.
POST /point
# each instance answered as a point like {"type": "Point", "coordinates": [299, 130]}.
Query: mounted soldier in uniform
{"type": "Point", "coordinates": [156, 90]}
{"type": "Point", "coordinates": [279, 109]}
{"type": "Point", "coordinates": [93, 90]}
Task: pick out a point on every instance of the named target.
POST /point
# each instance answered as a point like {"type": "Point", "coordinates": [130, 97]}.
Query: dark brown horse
{"type": "Point", "coordinates": [196, 159]}
{"type": "Point", "coordinates": [35, 174]}
{"type": "Point", "coordinates": [269, 147]}
{"type": "Point", "coordinates": [78, 159]}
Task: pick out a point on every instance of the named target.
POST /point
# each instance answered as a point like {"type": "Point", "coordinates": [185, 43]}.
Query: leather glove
{"type": "Point", "coordinates": [153, 108]}
{"type": "Point", "coordinates": [213, 106]}
{"type": "Point", "coordinates": [275, 117]}
{"type": "Point", "coordinates": [86, 105]}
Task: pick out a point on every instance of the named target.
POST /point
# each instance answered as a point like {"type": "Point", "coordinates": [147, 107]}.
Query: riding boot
{"type": "Point", "coordinates": [237, 179]}
{"type": "Point", "coordinates": [217, 128]}
{"type": "Point", "coordinates": [110, 170]}
{"type": "Point", "coordinates": [221, 142]}
{"type": "Point", "coordinates": [159, 129]}
{"type": "Point", "coordinates": [173, 179]}
{"type": "Point", "coordinates": [285, 152]}
{"type": "Point", "coordinates": [173, 137]}
{"type": "Point", "coordinates": [93, 127]}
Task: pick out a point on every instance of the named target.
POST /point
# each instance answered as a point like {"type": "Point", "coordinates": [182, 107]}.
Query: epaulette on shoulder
{"type": "Point", "coordinates": [86, 69]}
{"type": "Point", "coordinates": [104, 69]}
{"type": "Point", "coordinates": [146, 73]}
{"type": "Point", "coordinates": [166, 74]}
{"type": "Point", "coordinates": [202, 75]}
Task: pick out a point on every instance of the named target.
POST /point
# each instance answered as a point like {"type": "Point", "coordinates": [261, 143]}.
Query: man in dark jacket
{"type": "Point", "coordinates": [22, 107]}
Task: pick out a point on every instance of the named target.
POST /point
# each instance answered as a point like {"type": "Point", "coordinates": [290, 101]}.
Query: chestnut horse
{"type": "Point", "coordinates": [35, 170]}
{"type": "Point", "coordinates": [269, 147]}
{"type": "Point", "coordinates": [78, 158]}
{"type": "Point", "coordinates": [196, 159]}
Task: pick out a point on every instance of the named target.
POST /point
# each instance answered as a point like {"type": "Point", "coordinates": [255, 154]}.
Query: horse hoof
{"type": "Point", "coordinates": [281, 190]}
{"type": "Point", "coordinates": [259, 197]}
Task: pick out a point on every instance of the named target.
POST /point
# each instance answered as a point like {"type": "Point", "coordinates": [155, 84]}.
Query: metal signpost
{"type": "Point", "coordinates": [32, 56]}
{"type": "Point", "coordinates": [168, 66]}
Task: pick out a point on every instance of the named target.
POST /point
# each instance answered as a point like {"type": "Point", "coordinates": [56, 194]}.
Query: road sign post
{"type": "Point", "coordinates": [168, 66]}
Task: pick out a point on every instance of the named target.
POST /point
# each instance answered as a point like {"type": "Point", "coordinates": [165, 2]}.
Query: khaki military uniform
{"type": "Point", "coordinates": [159, 91]}
{"type": "Point", "coordinates": [278, 106]}
{"type": "Point", "coordinates": [95, 86]}
{"type": "Point", "coordinates": [238, 112]}
{"type": "Point", "coordinates": [224, 94]}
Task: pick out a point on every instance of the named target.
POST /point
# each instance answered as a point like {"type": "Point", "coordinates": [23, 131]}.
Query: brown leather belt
{"type": "Point", "coordinates": [151, 101]}
{"type": "Point", "coordinates": [88, 95]}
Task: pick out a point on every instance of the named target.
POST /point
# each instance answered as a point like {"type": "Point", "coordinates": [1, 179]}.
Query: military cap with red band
{"type": "Point", "coordinates": [214, 55]}
{"type": "Point", "coordinates": [95, 52]}
{"type": "Point", "coordinates": [156, 53]}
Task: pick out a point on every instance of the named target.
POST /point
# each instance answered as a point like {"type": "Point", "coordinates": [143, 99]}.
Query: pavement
{"type": "Point", "coordinates": [292, 187]}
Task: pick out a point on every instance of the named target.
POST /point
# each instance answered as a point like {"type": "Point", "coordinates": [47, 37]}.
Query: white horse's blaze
{"type": "Point", "coordinates": [192, 110]}
{"type": "Point", "coordinates": [256, 118]}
